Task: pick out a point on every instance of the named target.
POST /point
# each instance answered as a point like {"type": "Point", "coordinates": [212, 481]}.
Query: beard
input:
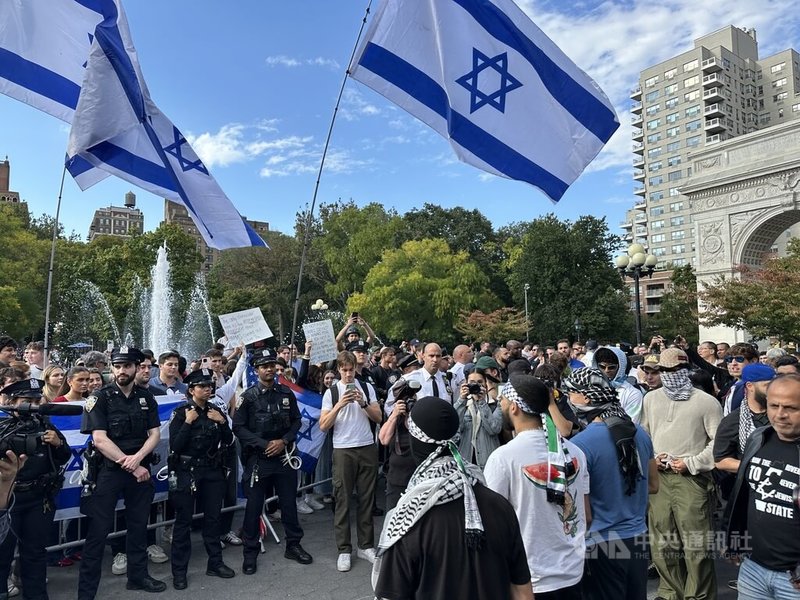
{"type": "Point", "coordinates": [761, 398]}
{"type": "Point", "coordinates": [124, 379]}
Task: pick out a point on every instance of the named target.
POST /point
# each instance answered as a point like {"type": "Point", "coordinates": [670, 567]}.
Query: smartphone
{"type": "Point", "coordinates": [354, 315]}
{"type": "Point", "coordinates": [204, 361]}
{"type": "Point", "coordinates": [350, 387]}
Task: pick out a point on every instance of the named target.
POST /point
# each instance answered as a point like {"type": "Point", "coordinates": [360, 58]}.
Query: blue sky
{"type": "Point", "coordinates": [253, 84]}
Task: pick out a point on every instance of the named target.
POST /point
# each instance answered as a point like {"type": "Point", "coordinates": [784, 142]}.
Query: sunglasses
{"type": "Point", "coordinates": [738, 359]}
{"type": "Point", "coordinates": [607, 366]}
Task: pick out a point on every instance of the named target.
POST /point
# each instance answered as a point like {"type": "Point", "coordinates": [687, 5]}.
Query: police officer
{"type": "Point", "coordinates": [266, 422]}
{"type": "Point", "coordinates": [123, 420]}
{"type": "Point", "coordinates": [198, 437]}
{"type": "Point", "coordinates": [37, 485]}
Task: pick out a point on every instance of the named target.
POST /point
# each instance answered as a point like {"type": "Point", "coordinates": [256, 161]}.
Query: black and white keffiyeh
{"type": "Point", "coordinates": [437, 480]}
{"type": "Point", "coordinates": [677, 385]}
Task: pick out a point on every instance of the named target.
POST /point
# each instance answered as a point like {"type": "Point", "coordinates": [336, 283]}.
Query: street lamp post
{"type": "Point", "coordinates": [578, 326]}
{"type": "Point", "coordinates": [634, 264]}
{"type": "Point", "coordinates": [526, 287]}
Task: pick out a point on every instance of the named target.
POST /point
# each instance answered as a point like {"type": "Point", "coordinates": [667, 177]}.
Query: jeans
{"type": "Point", "coordinates": [759, 583]}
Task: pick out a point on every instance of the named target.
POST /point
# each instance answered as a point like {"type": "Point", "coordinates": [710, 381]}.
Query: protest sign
{"type": "Point", "coordinates": [323, 348]}
{"type": "Point", "coordinates": [245, 326]}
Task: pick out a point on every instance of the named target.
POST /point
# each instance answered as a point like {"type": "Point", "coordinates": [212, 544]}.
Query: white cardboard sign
{"type": "Point", "coordinates": [245, 326]}
{"type": "Point", "coordinates": [323, 348]}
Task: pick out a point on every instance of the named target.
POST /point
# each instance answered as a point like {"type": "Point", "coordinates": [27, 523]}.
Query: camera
{"type": "Point", "coordinates": [22, 436]}
{"type": "Point", "coordinates": [405, 390]}
{"type": "Point", "coordinates": [474, 388]}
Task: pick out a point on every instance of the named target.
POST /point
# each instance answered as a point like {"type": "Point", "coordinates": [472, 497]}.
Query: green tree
{"type": "Point", "coordinates": [678, 314]}
{"type": "Point", "coordinates": [419, 289]}
{"type": "Point", "coordinates": [765, 302]}
{"type": "Point", "coordinates": [568, 267]}
{"type": "Point", "coordinates": [351, 242]}
{"type": "Point", "coordinates": [462, 229]}
{"type": "Point", "coordinates": [497, 326]}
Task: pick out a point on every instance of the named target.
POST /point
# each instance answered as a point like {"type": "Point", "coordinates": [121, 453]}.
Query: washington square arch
{"type": "Point", "coordinates": [743, 194]}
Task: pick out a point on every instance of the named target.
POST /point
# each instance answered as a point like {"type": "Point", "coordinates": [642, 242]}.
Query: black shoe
{"type": "Point", "coordinates": [179, 582]}
{"type": "Point", "coordinates": [249, 568]}
{"type": "Point", "coordinates": [652, 572]}
{"type": "Point", "coordinates": [296, 552]}
{"type": "Point", "coordinates": [223, 571]}
{"type": "Point", "coordinates": [377, 512]}
{"type": "Point", "coordinates": [148, 584]}
{"type": "Point", "coordinates": [734, 584]}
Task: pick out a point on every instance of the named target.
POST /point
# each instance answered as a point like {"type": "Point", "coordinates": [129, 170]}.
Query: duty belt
{"type": "Point", "coordinates": [188, 462]}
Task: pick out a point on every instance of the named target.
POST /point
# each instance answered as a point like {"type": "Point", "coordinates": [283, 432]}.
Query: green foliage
{"type": "Point", "coordinates": [419, 289]}
{"type": "Point", "coordinates": [568, 268]}
{"type": "Point", "coordinates": [765, 302]}
{"type": "Point", "coordinates": [499, 325]}
{"type": "Point", "coordinates": [351, 242]}
{"type": "Point", "coordinates": [678, 315]}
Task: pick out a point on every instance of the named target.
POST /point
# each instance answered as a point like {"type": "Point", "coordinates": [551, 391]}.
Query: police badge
{"type": "Point", "coordinates": [90, 402]}
{"type": "Point", "coordinates": [286, 402]}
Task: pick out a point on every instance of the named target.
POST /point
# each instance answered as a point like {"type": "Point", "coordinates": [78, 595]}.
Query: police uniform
{"type": "Point", "coordinates": [126, 421]}
{"type": "Point", "coordinates": [197, 472]}
{"type": "Point", "coordinates": [38, 482]}
{"type": "Point", "coordinates": [265, 414]}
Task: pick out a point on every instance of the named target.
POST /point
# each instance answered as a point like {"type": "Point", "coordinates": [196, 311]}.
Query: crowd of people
{"type": "Point", "coordinates": [576, 470]}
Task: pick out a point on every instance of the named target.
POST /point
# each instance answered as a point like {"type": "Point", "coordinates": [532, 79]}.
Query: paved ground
{"type": "Point", "coordinates": [277, 578]}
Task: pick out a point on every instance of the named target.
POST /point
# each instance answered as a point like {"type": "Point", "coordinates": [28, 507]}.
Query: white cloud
{"type": "Point", "coordinates": [222, 148]}
{"type": "Point", "coordinates": [281, 60]}
{"type": "Point", "coordinates": [354, 106]}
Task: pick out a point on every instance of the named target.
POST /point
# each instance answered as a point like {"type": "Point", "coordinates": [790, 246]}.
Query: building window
{"type": "Point", "coordinates": [678, 262]}
{"type": "Point", "coordinates": [690, 66]}
{"type": "Point", "coordinates": [651, 110]}
{"type": "Point", "coordinates": [673, 132]}
{"type": "Point", "coordinates": [650, 96]}
{"type": "Point", "coordinates": [694, 125]}
{"type": "Point", "coordinates": [796, 107]}
{"type": "Point", "coordinates": [690, 81]}
{"type": "Point", "coordinates": [671, 103]}
{"type": "Point", "coordinates": [674, 175]}
{"type": "Point", "coordinates": [656, 211]}
{"type": "Point", "coordinates": [676, 206]}
{"type": "Point", "coordinates": [654, 152]}
{"type": "Point", "coordinates": [654, 166]}
{"type": "Point", "coordinates": [679, 249]}
{"type": "Point", "coordinates": [671, 89]}
{"type": "Point", "coordinates": [673, 117]}
{"type": "Point", "coordinates": [656, 196]}
{"type": "Point", "coordinates": [657, 180]}
{"type": "Point", "coordinates": [651, 81]}
{"type": "Point", "coordinates": [674, 160]}
{"type": "Point", "coordinates": [691, 96]}
{"type": "Point", "coordinates": [777, 68]}
{"type": "Point", "coordinates": [779, 82]}
{"type": "Point", "coordinates": [658, 238]}
{"type": "Point", "coordinates": [780, 97]}
{"type": "Point", "coordinates": [660, 251]}
{"type": "Point", "coordinates": [676, 221]}
{"type": "Point", "coordinates": [671, 73]}
{"type": "Point", "coordinates": [673, 147]}
{"type": "Point", "coordinates": [653, 124]}
{"type": "Point", "coordinates": [678, 235]}
{"type": "Point", "coordinates": [654, 137]}
{"type": "Point", "coordinates": [693, 111]}
{"type": "Point", "coordinates": [674, 192]}
{"type": "Point", "coordinates": [657, 224]}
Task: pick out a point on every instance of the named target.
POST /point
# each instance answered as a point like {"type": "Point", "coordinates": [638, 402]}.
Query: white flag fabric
{"type": "Point", "coordinates": [485, 77]}
{"type": "Point", "coordinates": [52, 59]}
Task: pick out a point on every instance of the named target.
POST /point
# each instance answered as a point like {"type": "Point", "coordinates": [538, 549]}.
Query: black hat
{"type": "Point", "coordinates": [352, 329]}
{"type": "Point", "coordinates": [408, 360]}
{"type": "Point", "coordinates": [125, 354]}
{"type": "Point", "coordinates": [357, 346]}
{"type": "Point", "coordinates": [26, 387]}
{"type": "Point", "coordinates": [200, 377]}
{"type": "Point", "coordinates": [263, 357]}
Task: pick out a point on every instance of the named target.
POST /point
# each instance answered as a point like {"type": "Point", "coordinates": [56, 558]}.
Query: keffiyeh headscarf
{"type": "Point", "coordinates": [439, 479]}
{"type": "Point", "coordinates": [677, 385]}
{"type": "Point", "coordinates": [604, 403]}
{"type": "Point", "coordinates": [558, 459]}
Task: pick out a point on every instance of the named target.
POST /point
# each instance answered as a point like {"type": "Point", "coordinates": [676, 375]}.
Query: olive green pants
{"type": "Point", "coordinates": [354, 469]}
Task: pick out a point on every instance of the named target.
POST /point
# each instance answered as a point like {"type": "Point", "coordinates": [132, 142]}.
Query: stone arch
{"type": "Point", "coordinates": [758, 236]}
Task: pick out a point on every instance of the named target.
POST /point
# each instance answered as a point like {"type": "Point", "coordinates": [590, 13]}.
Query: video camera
{"type": "Point", "coordinates": [405, 390]}
{"type": "Point", "coordinates": [23, 431]}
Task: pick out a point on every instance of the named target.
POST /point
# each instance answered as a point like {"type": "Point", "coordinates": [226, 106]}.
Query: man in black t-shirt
{"type": "Point", "coordinates": [763, 518]}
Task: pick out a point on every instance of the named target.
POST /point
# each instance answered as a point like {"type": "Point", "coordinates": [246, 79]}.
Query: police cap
{"type": "Point", "coordinates": [200, 377]}
{"type": "Point", "coordinates": [357, 346]}
{"type": "Point", "coordinates": [126, 354]}
{"type": "Point", "coordinates": [263, 357]}
{"type": "Point", "coordinates": [28, 388]}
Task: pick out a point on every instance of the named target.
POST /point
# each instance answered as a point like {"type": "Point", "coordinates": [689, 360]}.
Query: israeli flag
{"type": "Point", "coordinates": [482, 75]}
{"type": "Point", "coordinates": [75, 59]}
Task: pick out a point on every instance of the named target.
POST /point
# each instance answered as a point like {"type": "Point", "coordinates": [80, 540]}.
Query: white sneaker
{"type": "Point", "coordinates": [303, 508]}
{"type": "Point", "coordinates": [120, 564]}
{"type": "Point", "coordinates": [166, 535]}
{"type": "Point", "coordinates": [343, 562]}
{"type": "Point", "coordinates": [12, 590]}
{"type": "Point", "coordinates": [156, 554]}
{"type": "Point", "coordinates": [232, 539]}
{"type": "Point", "coordinates": [367, 554]}
{"type": "Point", "coordinates": [313, 502]}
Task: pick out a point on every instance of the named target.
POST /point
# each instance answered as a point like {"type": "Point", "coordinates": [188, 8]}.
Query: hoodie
{"type": "Point", "coordinates": [630, 397]}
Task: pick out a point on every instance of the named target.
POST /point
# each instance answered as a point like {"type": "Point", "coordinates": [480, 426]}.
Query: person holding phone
{"type": "Point", "coordinates": [348, 407]}
{"type": "Point", "coordinates": [351, 333]}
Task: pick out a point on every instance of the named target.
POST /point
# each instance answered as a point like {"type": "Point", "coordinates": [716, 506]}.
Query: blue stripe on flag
{"type": "Point", "coordinates": [101, 7]}
{"type": "Point", "coordinates": [586, 108]}
{"type": "Point", "coordinates": [126, 161]}
{"type": "Point", "coordinates": [486, 147]}
{"type": "Point", "coordinates": [255, 239]}
{"type": "Point", "coordinates": [78, 165]}
{"type": "Point", "coordinates": [37, 79]}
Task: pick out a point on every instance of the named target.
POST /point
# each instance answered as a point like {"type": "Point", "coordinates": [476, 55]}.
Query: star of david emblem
{"type": "Point", "coordinates": [175, 150]}
{"type": "Point", "coordinates": [306, 433]}
{"type": "Point", "coordinates": [507, 83]}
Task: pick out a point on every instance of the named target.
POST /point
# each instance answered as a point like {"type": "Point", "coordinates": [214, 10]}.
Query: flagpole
{"type": "Point", "coordinates": [310, 215]}
{"type": "Point", "coordinates": [50, 271]}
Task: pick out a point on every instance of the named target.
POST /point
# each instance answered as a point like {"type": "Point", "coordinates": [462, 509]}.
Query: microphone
{"type": "Point", "coordinates": [57, 409]}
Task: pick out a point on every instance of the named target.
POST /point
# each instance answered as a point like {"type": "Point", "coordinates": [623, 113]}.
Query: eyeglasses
{"type": "Point", "coordinates": [738, 359]}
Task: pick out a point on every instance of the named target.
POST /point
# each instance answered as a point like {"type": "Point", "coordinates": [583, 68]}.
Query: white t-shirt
{"type": "Point", "coordinates": [351, 428]}
{"type": "Point", "coordinates": [553, 534]}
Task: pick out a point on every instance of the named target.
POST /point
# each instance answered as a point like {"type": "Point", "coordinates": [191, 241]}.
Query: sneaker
{"type": "Point", "coordinates": [166, 535]}
{"type": "Point", "coordinates": [120, 564]}
{"type": "Point", "coordinates": [327, 499]}
{"type": "Point", "coordinates": [232, 539]}
{"type": "Point", "coordinates": [303, 508]}
{"type": "Point", "coordinates": [734, 584]}
{"type": "Point", "coordinates": [343, 562]}
{"type": "Point", "coordinates": [156, 554]}
{"type": "Point", "coordinates": [313, 502]}
{"type": "Point", "coordinates": [12, 590]}
{"type": "Point", "coordinates": [367, 554]}
{"type": "Point", "coordinates": [62, 562]}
